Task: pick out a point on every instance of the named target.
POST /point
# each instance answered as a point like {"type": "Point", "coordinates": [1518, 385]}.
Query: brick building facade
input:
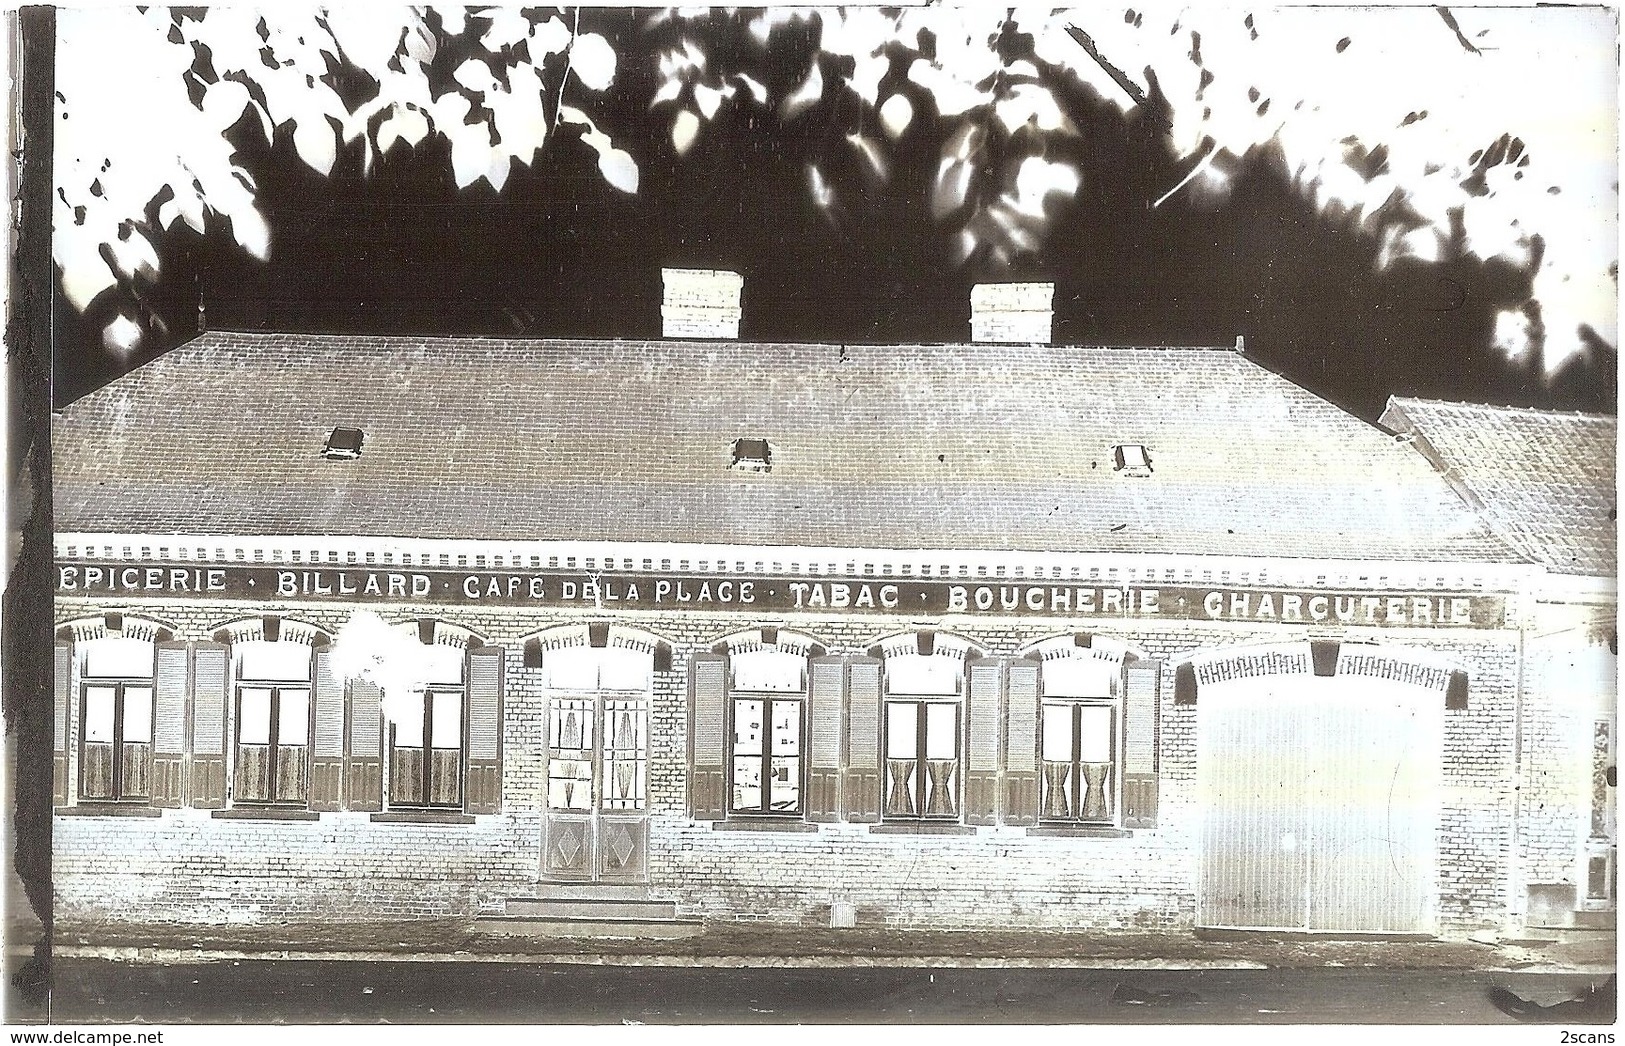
{"type": "Point", "coordinates": [945, 636]}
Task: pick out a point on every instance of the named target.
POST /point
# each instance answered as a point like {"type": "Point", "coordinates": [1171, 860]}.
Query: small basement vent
{"type": "Point", "coordinates": [1131, 459]}
{"type": "Point", "coordinates": [752, 455]}
{"type": "Point", "coordinates": [344, 444]}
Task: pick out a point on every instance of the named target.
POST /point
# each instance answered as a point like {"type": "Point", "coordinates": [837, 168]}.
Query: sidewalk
{"type": "Point", "coordinates": [759, 945]}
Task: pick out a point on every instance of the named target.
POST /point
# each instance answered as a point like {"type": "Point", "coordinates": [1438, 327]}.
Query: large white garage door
{"type": "Point", "coordinates": [1319, 801]}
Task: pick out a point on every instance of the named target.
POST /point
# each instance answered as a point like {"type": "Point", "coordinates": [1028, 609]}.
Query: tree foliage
{"type": "Point", "coordinates": [1418, 126]}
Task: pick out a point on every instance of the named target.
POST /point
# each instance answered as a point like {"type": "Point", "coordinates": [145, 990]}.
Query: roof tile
{"type": "Point", "coordinates": [924, 446]}
{"type": "Point", "coordinates": [1545, 479]}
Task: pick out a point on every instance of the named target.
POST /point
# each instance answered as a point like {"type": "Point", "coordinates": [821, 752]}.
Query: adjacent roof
{"type": "Point", "coordinates": [1543, 479]}
{"type": "Point", "coordinates": [922, 447]}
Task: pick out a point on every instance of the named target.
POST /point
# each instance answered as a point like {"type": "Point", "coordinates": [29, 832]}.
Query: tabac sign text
{"type": "Point", "coordinates": [903, 597]}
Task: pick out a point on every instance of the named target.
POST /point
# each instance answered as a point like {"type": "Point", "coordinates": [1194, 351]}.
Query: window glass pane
{"type": "Point", "coordinates": [913, 674]}
{"type": "Point", "coordinates": [785, 788]}
{"type": "Point", "coordinates": [446, 727]}
{"type": "Point", "coordinates": [571, 668]}
{"type": "Point", "coordinates": [747, 728]}
{"type": "Point", "coordinates": [292, 716]}
{"type": "Point", "coordinates": [118, 656]}
{"type": "Point", "coordinates": [443, 664]}
{"type": "Point", "coordinates": [137, 715]}
{"type": "Point", "coordinates": [625, 726]}
{"type": "Point", "coordinates": [1058, 733]}
{"type": "Point", "coordinates": [941, 735]}
{"type": "Point", "coordinates": [1097, 734]}
{"type": "Point", "coordinates": [571, 728]}
{"type": "Point", "coordinates": [901, 725]}
{"type": "Point", "coordinates": [261, 660]}
{"type": "Point", "coordinates": [625, 754]}
{"type": "Point", "coordinates": [408, 720]}
{"type": "Point", "coordinates": [786, 728]}
{"type": "Point", "coordinates": [1079, 677]}
{"type": "Point", "coordinates": [623, 669]}
{"type": "Point", "coordinates": [99, 714]}
{"type": "Point", "coordinates": [569, 784]}
{"type": "Point", "coordinates": [772, 670]}
{"type": "Point", "coordinates": [747, 782]}
{"type": "Point", "coordinates": [254, 724]}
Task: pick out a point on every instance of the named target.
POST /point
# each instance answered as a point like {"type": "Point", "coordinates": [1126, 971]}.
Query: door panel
{"type": "Point", "coordinates": [1374, 829]}
{"type": "Point", "coordinates": [1250, 770]}
{"type": "Point", "coordinates": [568, 850]}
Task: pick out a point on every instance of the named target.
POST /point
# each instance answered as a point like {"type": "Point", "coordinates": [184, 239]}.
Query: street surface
{"type": "Point", "coordinates": [270, 992]}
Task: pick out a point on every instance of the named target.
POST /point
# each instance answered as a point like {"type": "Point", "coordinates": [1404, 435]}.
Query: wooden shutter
{"type": "Point", "coordinates": [484, 730]}
{"type": "Point", "coordinates": [169, 725]}
{"type": "Point", "coordinates": [1141, 711]}
{"type": "Point", "coordinates": [327, 749]}
{"type": "Point", "coordinates": [209, 686]}
{"type": "Point", "coordinates": [982, 763]}
{"type": "Point", "coordinates": [61, 725]}
{"type": "Point", "coordinates": [825, 692]}
{"type": "Point", "coordinates": [862, 791]}
{"type": "Point", "coordinates": [364, 769]}
{"type": "Point", "coordinates": [1021, 744]}
{"type": "Point", "coordinates": [707, 718]}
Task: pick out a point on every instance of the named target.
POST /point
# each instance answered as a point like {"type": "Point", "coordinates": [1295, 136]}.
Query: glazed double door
{"type": "Point", "coordinates": [597, 824]}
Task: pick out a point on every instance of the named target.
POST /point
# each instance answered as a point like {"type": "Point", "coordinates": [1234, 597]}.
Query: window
{"type": "Point", "coordinates": [115, 717]}
{"type": "Point", "coordinates": [767, 708]}
{"type": "Point", "coordinates": [273, 723]}
{"type": "Point", "coordinates": [767, 753]}
{"type": "Point", "coordinates": [922, 758]}
{"type": "Point", "coordinates": [426, 736]}
{"type": "Point", "coordinates": [1080, 762]}
{"type": "Point", "coordinates": [922, 742]}
{"type": "Point", "coordinates": [1078, 741]}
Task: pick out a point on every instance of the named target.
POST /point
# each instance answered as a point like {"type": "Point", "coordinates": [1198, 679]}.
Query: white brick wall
{"type": "Point", "coordinates": [186, 866]}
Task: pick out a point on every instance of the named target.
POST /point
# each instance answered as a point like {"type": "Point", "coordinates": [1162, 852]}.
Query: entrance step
{"type": "Point", "coordinates": [661, 929]}
{"type": "Point", "coordinates": [589, 910]}
{"type": "Point", "coordinates": [1595, 920]}
{"type": "Point", "coordinates": [588, 906]}
{"type": "Point", "coordinates": [597, 891]}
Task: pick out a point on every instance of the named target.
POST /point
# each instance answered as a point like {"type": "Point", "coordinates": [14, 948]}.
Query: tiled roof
{"type": "Point", "coordinates": [922, 447]}
{"type": "Point", "coordinates": [1544, 479]}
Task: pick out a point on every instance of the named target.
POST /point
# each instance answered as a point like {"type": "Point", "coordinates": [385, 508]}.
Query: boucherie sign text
{"type": "Point", "coordinates": [912, 598]}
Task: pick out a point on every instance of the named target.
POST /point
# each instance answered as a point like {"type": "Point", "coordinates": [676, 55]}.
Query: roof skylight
{"type": "Point", "coordinates": [1131, 459]}
{"type": "Point", "coordinates": [344, 444]}
{"type": "Point", "coordinates": [752, 455]}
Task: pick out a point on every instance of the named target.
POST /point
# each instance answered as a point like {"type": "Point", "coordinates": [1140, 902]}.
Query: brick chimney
{"type": "Point", "coordinates": [1019, 313]}
{"type": "Point", "coordinates": [700, 303]}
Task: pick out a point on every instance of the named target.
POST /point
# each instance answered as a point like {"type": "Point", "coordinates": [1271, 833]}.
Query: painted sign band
{"type": "Point", "coordinates": [903, 597]}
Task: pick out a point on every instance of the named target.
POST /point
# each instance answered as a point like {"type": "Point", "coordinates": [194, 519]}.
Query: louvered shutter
{"type": "Point", "coordinates": [484, 730]}
{"type": "Point", "coordinates": [1141, 688]}
{"type": "Point", "coordinates": [1021, 748]}
{"type": "Point", "coordinates": [327, 753]}
{"type": "Point", "coordinates": [707, 716]}
{"type": "Point", "coordinates": [364, 769]}
{"type": "Point", "coordinates": [61, 723]}
{"type": "Point", "coordinates": [825, 692]}
{"type": "Point", "coordinates": [169, 725]}
{"type": "Point", "coordinates": [863, 739]}
{"type": "Point", "coordinates": [982, 763]}
{"type": "Point", "coordinates": [209, 686]}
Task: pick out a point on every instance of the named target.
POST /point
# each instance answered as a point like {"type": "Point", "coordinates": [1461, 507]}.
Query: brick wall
{"type": "Point", "coordinates": [1569, 682]}
{"type": "Point", "coordinates": [189, 867]}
